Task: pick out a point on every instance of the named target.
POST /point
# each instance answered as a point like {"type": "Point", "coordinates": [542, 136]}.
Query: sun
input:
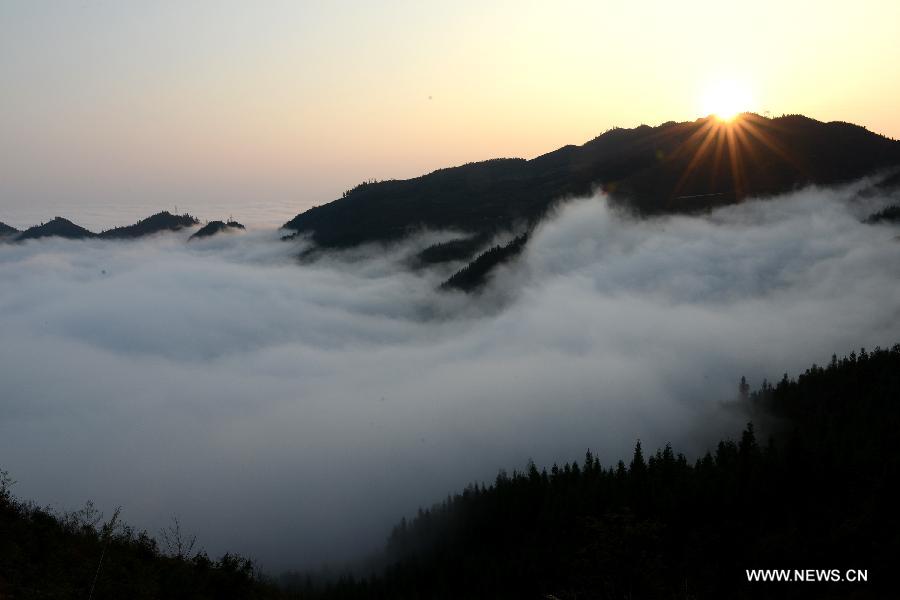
{"type": "Point", "coordinates": [726, 99]}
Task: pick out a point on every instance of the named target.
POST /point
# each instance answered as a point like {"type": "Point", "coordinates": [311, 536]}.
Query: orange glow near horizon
{"type": "Point", "coordinates": [308, 99]}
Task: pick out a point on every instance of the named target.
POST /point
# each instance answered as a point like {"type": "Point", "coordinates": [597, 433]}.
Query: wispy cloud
{"type": "Point", "coordinates": [293, 412]}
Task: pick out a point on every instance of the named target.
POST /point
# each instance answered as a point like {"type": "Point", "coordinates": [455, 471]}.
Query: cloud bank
{"type": "Point", "coordinates": [294, 412]}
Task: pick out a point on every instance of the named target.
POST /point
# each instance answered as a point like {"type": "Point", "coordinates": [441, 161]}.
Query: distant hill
{"type": "Point", "coordinates": [160, 222]}
{"type": "Point", "coordinates": [6, 230]}
{"type": "Point", "coordinates": [214, 227]}
{"type": "Point", "coordinates": [163, 221]}
{"type": "Point", "coordinates": [58, 227]}
{"type": "Point", "coordinates": [675, 167]}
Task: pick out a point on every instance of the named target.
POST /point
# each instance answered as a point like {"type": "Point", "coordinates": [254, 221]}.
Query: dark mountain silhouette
{"type": "Point", "coordinates": [891, 214]}
{"type": "Point", "coordinates": [214, 227]}
{"type": "Point", "coordinates": [474, 275]}
{"type": "Point", "coordinates": [6, 230]}
{"type": "Point", "coordinates": [163, 221]}
{"type": "Point", "coordinates": [453, 250]}
{"type": "Point", "coordinates": [675, 167]}
{"type": "Point", "coordinates": [58, 227]}
{"type": "Point", "coordinates": [45, 554]}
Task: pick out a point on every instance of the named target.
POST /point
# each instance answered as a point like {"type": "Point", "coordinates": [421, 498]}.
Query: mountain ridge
{"type": "Point", "coordinates": [57, 227]}
{"type": "Point", "coordinates": [64, 228]}
{"type": "Point", "coordinates": [214, 227]}
{"type": "Point", "coordinates": [671, 168]}
{"type": "Point", "coordinates": [6, 230]}
{"type": "Point", "coordinates": [161, 221]}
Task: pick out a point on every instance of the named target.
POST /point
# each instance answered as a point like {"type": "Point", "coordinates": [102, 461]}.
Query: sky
{"type": "Point", "coordinates": [112, 110]}
{"type": "Point", "coordinates": [294, 413]}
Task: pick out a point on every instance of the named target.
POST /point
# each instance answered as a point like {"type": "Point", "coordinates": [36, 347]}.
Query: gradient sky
{"type": "Point", "coordinates": [286, 104]}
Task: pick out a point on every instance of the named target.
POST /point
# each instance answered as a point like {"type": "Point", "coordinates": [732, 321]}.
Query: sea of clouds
{"type": "Point", "coordinates": [293, 412]}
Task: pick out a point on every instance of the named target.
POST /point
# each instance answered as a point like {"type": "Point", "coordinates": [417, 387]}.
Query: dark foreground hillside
{"type": "Point", "coordinates": [817, 494]}
{"type": "Point", "coordinates": [816, 490]}
{"type": "Point", "coordinates": [79, 555]}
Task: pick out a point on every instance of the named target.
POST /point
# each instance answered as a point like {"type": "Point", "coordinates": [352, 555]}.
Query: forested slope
{"type": "Point", "coordinates": [816, 492]}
